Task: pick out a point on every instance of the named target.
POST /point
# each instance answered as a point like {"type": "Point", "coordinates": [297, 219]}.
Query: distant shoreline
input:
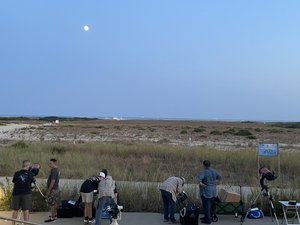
{"type": "Point", "coordinates": [10, 117]}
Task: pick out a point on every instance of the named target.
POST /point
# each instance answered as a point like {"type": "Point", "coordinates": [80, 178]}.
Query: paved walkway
{"type": "Point", "coordinates": [141, 219]}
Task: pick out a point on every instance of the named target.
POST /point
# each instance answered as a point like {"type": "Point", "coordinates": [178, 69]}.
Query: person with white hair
{"type": "Point", "coordinates": [22, 195]}
{"type": "Point", "coordinates": [169, 189]}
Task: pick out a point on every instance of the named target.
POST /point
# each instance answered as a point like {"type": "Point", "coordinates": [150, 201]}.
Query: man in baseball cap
{"type": "Point", "coordinates": [87, 193]}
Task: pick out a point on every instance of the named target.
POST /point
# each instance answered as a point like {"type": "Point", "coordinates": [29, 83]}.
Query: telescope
{"type": "Point", "coordinates": [266, 174]}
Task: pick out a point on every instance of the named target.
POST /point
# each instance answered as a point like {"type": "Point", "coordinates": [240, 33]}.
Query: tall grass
{"type": "Point", "coordinates": [145, 161]}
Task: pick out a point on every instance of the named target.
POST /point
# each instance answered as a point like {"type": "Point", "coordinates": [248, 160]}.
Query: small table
{"type": "Point", "coordinates": [288, 207]}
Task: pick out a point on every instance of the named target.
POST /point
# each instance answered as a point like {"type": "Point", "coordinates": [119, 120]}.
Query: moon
{"type": "Point", "coordinates": [86, 28]}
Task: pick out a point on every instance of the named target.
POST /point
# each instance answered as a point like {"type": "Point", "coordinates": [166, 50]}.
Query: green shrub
{"type": "Point", "coordinates": [251, 137]}
{"type": "Point", "coordinates": [151, 129]}
{"type": "Point", "coordinates": [58, 149]}
{"type": "Point", "coordinates": [215, 132]}
{"type": "Point", "coordinates": [243, 132]}
{"type": "Point", "coordinates": [229, 131]}
{"type": "Point", "coordinates": [199, 130]}
{"type": "Point", "coordinates": [38, 202]}
{"type": "Point", "coordinates": [292, 125]}
{"type": "Point", "coordinates": [183, 132]}
{"type": "Point", "coordinates": [275, 131]}
{"type": "Point", "coordinates": [5, 195]}
{"type": "Point", "coordinates": [20, 144]}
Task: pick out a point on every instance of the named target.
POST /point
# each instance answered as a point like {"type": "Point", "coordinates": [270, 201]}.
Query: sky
{"type": "Point", "coordinates": [195, 59]}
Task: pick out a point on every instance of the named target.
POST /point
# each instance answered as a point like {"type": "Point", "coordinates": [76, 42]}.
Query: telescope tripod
{"type": "Point", "coordinates": [265, 193]}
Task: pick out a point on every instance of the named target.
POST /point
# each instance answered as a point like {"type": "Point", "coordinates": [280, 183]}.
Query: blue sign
{"type": "Point", "coordinates": [268, 149]}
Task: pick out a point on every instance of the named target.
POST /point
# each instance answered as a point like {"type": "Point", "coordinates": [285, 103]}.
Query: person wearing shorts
{"type": "Point", "coordinates": [52, 194]}
{"type": "Point", "coordinates": [22, 196]}
{"type": "Point", "coordinates": [87, 194]}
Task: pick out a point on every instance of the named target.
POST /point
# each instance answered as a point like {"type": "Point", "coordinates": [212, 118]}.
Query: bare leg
{"type": "Point", "coordinates": [85, 210]}
{"type": "Point", "coordinates": [88, 208]}
{"type": "Point", "coordinates": [54, 210]}
{"type": "Point", "coordinates": [26, 215]}
{"type": "Point", "coordinates": [14, 216]}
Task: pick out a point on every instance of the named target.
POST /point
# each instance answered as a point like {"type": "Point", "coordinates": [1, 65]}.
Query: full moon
{"type": "Point", "coordinates": [86, 28]}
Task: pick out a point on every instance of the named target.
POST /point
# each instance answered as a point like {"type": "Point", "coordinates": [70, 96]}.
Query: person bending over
{"type": "Point", "coordinates": [87, 194]}
{"type": "Point", "coordinates": [169, 189]}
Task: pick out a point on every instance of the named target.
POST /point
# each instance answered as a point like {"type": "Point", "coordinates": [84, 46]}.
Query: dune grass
{"type": "Point", "coordinates": [149, 162]}
{"type": "Point", "coordinates": [145, 161]}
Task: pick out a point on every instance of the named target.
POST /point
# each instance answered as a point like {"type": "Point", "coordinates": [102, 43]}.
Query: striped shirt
{"type": "Point", "coordinates": [174, 185]}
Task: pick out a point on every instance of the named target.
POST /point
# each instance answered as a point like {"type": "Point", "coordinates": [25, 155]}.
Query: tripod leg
{"type": "Point", "coordinates": [39, 190]}
{"type": "Point", "coordinates": [20, 212]}
{"type": "Point", "coordinates": [256, 198]}
{"type": "Point", "coordinates": [272, 209]}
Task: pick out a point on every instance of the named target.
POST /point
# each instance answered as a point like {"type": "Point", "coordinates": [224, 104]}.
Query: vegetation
{"type": "Point", "coordinates": [144, 161]}
{"type": "Point", "coordinates": [292, 125]}
{"type": "Point", "coordinates": [53, 118]}
{"type": "Point", "coordinates": [5, 195]}
{"type": "Point", "coordinates": [199, 130]}
{"type": "Point", "coordinates": [20, 144]}
{"type": "Point", "coordinates": [216, 132]}
{"type": "Point", "coordinates": [14, 118]}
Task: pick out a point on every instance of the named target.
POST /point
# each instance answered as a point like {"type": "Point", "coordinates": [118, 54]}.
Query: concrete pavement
{"type": "Point", "coordinates": [140, 219]}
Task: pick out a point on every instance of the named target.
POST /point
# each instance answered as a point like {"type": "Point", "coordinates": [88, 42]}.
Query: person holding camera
{"type": "Point", "coordinates": [87, 194]}
{"type": "Point", "coordinates": [208, 189]}
{"type": "Point", "coordinates": [22, 195]}
{"type": "Point", "coordinates": [169, 189]}
{"type": "Point", "coordinates": [52, 193]}
{"type": "Point", "coordinates": [106, 195]}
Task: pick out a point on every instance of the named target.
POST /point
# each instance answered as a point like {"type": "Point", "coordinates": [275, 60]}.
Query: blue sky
{"type": "Point", "coordinates": [191, 59]}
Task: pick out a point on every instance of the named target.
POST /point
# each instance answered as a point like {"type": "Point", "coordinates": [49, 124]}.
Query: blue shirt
{"type": "Point", "coordinates": [209, 177]}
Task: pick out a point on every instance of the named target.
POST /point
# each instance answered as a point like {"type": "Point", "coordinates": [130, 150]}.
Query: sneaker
{"type": "Point", "coordinates": [166, 220]}
{"type": "Point", "coordinates": [55, 217]}
{"type": "Point", "coordinates": [52, 220]}
{"type": "Point", "coordinates": [91, 221]}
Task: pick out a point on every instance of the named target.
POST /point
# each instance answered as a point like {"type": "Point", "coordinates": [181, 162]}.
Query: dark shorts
{"type": "Point", "coordinates": [22, 202]}
{"type": "Point", "coordinates": [53, 197]}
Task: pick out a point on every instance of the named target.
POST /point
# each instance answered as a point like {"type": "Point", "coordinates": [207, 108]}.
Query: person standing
{"type": "Point", "coordinates": [87, 194]}
{"type": "Point", "coordinates": [106, 195]}
{"type": "Point", "coordinates": [208, 178]}
{"type": "Point", "coordinates": [52, 193]}
{"type": "Point", "coordinates": [169, 189]}
{"type": "Point", "coordinates": [22, 195]}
